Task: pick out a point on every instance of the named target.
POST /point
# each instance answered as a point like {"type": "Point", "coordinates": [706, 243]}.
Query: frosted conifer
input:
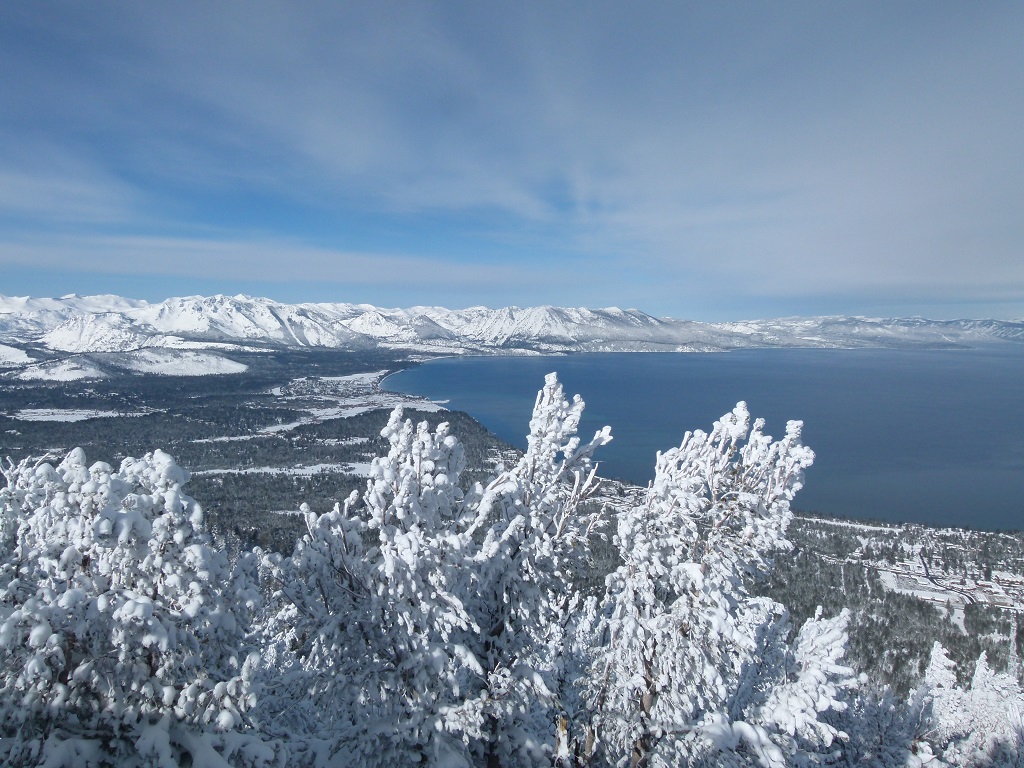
{"type": "Point", "coordinates": [123, 630]}
{"type": "Point", "coordinates": [532, 546]}
{"type": "Point", "coordinates": [981, 725]}
{"type": "Point", "coordinates": [369, 610]}
{"type": "Point", "coordinates": [688, 666]}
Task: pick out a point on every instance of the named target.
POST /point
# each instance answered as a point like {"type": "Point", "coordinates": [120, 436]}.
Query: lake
{"type": "Point", "coordinates": [930, 436]}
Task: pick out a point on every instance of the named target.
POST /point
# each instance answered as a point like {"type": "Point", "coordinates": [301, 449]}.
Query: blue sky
{"type": "Point", "coordinates": [718, 160]}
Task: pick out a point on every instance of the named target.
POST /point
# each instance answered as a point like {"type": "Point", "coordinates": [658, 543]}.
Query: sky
{"type": "Point", "coordinates": [710, 161]}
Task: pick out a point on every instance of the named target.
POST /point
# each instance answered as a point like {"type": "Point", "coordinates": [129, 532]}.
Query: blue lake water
{"type": "Point", "coordinates": [903, 435]}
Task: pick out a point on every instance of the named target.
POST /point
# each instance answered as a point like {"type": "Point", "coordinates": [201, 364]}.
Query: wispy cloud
{"type": "Point", "coordinates": [777, 154]}
{"type": "Point", "coordinates": [54, 197]}
{"type": "Point", "coordinates": [257, 260]}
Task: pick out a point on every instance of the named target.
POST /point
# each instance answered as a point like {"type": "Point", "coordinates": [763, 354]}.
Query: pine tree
{"type": "Point", "coordinates": [369, 615]}
{"type": "Point", "coordinates": [688, 666]}
{"type": "Point", "coordinates": [981, 725]}
{"type": "Point", "coordinates": [883, 730]}
{"type": "Point", "coordinates": [123, 632]}
{"type": "Point", "coordinates": [530, 539]}
{"type": "Point", "coordinates": [941, 670]}
{"type": "Point", "coordinates": [430, 623]}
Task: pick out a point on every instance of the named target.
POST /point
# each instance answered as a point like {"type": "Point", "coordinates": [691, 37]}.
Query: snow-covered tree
{"type": "Point", "coordinates": [370, 618]}
{"type": "Point", "coordinates": [530, 537]}
{"type": "Point", "coordinates": [981, 725]}
{"type": "Point", "coordinates": [813, 683]}
{"type": "Point", "coordinates": [883, 731]}
{"type": "Point", "coordinates": [688, 666]}
{"type": "Point", "coordinates": [941, 670]}
{"type": "Point", "coordinates": [429, 623]}
{"type": "Point", "coordinates": [122, 631]}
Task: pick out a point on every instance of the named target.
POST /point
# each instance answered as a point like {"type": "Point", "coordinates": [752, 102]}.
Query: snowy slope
{"type": "Point", "coordinates": [177, 363]}
{"type": "Point", "coordinates": [23, 318]}
{"type": "Point", "coordinates": [72, 369]}
{"type": "Point", "coordinates": [12, 356]}
{"type": "Point", "coordinates": [217, 325]}
{"type": "Point", "coordinates": [241, 318]}
{"type": "Point", "coordinates": [101, 332]}
{"type": "Point", "coordinates": [377, 325]}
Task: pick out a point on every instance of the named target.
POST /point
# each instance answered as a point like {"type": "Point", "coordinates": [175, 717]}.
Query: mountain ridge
{"type": "Point", "coordinates": [45, 328]}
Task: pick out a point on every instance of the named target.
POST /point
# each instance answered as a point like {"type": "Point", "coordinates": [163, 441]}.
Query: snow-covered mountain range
{"type": "Point", "coordinates": [75, 336]}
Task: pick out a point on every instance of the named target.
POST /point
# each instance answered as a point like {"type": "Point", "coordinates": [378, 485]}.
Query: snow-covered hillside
{"type": "Point", "coordinates": [11, 356]}
{"type": "Point", "coordinates": [112, 324]}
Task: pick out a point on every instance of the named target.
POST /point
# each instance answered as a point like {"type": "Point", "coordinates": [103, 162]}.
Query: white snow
{"type": "Point", "coordinates": [921, 588]}
{"type": "Point", "coordinates": [359, 469]}
{"type": "Point", "coordinates": [876, 527]}
{"type": "Point", "coordinates": [340, 397]}
{"type": "Point", "coordinates": [113, 324]}
{"type": "Point", "coordinates": [146, 577]}
{"type": "Point", "coordinates": [107, 332]}
{"type": "Point", "coordinates": [358, 379]}
{"type": "Point", "coordinates": [957, 618]}
{"type": "Point", "coordinates": [225, 439]}
{"type": "Point", "coordinates": [176, 342]}
{"type": "Point", "coordinates": [13, 356]}
{"type": "Point", "coordinates": [67, 414]}
{"type": "Point", "coordinates": [375, 324]}
{"type": "Point", "coordinates": [61, 370]}
{"type": "Point", "coordinates": [354, 408]}
{"type": "Point", "coordinates": [342, 441]}
{"type": "Point", "coordinates": [179, 363]}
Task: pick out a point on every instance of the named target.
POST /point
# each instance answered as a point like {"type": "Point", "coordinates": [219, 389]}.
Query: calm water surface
{"type": "Point", "coordinates": [921, 436]}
